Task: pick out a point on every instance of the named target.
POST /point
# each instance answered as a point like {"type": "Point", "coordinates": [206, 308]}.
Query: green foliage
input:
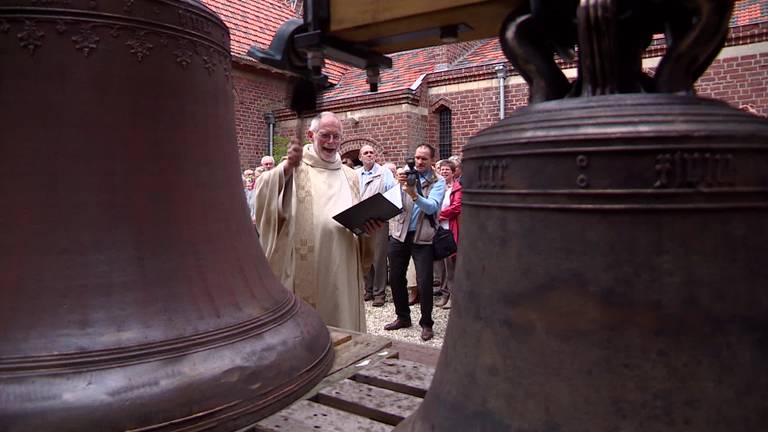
{"type": "Point", "coordinates": [280, 147]}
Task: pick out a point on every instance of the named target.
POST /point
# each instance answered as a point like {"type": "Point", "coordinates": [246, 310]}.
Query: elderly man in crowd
{"type": "Point", "coordinates": [319, 259]}
{"type": "Point", "coordinates": [249, 182]}
{"type": "Point", "coordinates": [374, 178]}
{"type": "Point", "coordinates": [248, 179]}
{"type": "Point", "coordinates": [411, 236]}
{"type": "Point", "coordinates": [268, 162]}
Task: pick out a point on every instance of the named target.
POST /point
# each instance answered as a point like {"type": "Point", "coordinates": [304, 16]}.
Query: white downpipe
{"type": "Point", "coordinates": [269, 117]}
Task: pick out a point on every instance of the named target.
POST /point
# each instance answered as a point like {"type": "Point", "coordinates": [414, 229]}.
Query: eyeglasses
{"type": "Point", "coordinates": [328, 136]}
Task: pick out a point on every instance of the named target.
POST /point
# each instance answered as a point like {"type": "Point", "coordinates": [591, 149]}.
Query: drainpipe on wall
{"type": "Point", "coordinates": [270, 119]}
{"type": "Point", "coordinates": [501, 73]}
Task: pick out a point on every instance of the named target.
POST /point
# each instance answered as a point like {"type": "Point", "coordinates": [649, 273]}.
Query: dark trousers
{"type": "Point", "coordinates": [450, 272]}
{"type": "Point", "coordinates": [399, 255]}
{"type": "Point", "coordinates": [376, 277]}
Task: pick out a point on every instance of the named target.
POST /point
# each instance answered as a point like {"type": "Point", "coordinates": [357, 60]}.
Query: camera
{"type": "Point", "coordinates": [410, 171]}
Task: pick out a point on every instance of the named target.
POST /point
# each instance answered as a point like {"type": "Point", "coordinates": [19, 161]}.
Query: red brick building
{"type": "Point", "coordinates": [442, 95]}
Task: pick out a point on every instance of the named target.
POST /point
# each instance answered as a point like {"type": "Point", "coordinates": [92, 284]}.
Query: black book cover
{"type": "Point", "coordinates": [382, 206]}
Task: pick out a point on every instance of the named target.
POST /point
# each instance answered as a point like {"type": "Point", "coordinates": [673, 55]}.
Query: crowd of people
{"type": "Point", "coordinates": [249, 181]}
{"type": "Point", "coordinates": [292, 205]}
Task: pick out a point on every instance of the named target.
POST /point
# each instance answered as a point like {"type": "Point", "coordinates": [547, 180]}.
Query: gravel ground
{"type": "Point", "coordinates": [377, 317]}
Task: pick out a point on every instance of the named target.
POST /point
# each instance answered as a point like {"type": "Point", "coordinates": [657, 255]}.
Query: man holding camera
{"type": "Point", "coordinates": [411, 235]}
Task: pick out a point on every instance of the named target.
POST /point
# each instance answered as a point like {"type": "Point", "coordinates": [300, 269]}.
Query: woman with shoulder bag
{"type": "Point", "coordinates": [449, 218]}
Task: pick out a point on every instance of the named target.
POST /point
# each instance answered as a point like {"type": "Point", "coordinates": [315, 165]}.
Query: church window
{"type": "Point", "coordinates": [444, 132]}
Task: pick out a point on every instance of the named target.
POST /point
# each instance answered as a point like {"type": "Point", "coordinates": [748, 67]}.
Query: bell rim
{"type": "Point", "coordinates": [584, 121]}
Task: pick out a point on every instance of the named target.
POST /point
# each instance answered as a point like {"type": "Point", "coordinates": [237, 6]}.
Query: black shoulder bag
{"type": "Point", "coordinates": [443, 244]}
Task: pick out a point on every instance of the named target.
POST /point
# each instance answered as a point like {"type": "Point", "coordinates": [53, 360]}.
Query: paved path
{"type": "Point", "coordinates": [377, 317]}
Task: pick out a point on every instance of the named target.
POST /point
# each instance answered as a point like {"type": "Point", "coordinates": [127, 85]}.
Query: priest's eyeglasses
{"type": "Point", "coordinates": [325, 136]}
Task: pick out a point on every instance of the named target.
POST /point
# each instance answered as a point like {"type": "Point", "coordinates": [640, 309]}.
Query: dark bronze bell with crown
{"type": "Point", "coordinates": [627, 225]}
{"type": "Point", "coordinates": [133, 291]}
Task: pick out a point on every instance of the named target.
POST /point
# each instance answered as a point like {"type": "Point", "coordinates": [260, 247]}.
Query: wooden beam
{"type": "Point", "coordinates": [339, 337]}
{"type": "Point", "coordinates": [483, 20]}
{"type": "Point", "coordinates": [378, 404]}
{"type": "Point", "coordinates": [360, 347]}
{"type": "Point", "coordinates": [347, 14]}
{"type": "Point", "coordinates": [306, 416]}
{"type": "Point", "coordinates": [398, 375]}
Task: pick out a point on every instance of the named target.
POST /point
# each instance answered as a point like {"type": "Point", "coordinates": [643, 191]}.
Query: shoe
{"type": "Point", "coordinates": [426, 333]}
{"type": "Point", "coordinates": [437, 289]}
{"type": "Point", "coordinates": [413, 295]}
{"type": "Point", "coordinates": [378, 301]}
{"type": "Point", "coordinates": [368, 297]}
{"type": "Point", "coordinates": [397, 325]}
{"type": "Point", "coordinates": [447, 305]}
{"type": "Point", "coordinates": [443, 300]}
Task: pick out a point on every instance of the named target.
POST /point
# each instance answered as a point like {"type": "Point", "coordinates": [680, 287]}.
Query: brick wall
{"type": "Point", "coordinates": [255, 94]}
{"type": "Point", "coordinates": [741, 80]}
{"type": "Point", "coordinates": [393, 132]}
{"type": "Point", "coordinates": [473, 110]}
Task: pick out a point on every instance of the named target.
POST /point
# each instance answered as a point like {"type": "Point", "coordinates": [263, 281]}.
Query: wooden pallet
{"type": "Point", "coordinates": [368, 389]}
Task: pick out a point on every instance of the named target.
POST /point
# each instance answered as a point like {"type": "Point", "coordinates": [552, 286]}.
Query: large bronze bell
{"type": "Point", "coordinates": [617, 281]}
{"type": "Point", "coordinates": [133, 291]}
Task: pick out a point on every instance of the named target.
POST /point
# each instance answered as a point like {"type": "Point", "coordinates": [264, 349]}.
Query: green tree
{"type": "Point", "coordinates": [280, 147]}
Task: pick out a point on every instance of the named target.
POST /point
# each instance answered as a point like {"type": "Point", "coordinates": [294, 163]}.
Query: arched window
{"type": "Point", "coordinates": [444, 137]}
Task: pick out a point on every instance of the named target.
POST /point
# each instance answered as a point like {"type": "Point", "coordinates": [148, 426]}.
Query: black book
{"type": "Point", "coordinates": [381, 206]}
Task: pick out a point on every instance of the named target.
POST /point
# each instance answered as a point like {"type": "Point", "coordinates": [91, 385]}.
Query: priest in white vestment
{"type": "Point", "coordinates": [312, 254]}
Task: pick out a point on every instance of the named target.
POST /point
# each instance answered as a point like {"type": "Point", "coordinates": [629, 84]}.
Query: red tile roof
{"type": "Point", "coordinates": [407, 67]}
{"type": "Point", "coordinates": [335, 71]}
{"type": "Point", "coordinates": [749, 12]}
{"type": "Point", "coordinates": [488, 52]}
{"type": "Point", "coordinates": [251, 21]}
{"type": "Point", "coordinates": [255, 22]}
